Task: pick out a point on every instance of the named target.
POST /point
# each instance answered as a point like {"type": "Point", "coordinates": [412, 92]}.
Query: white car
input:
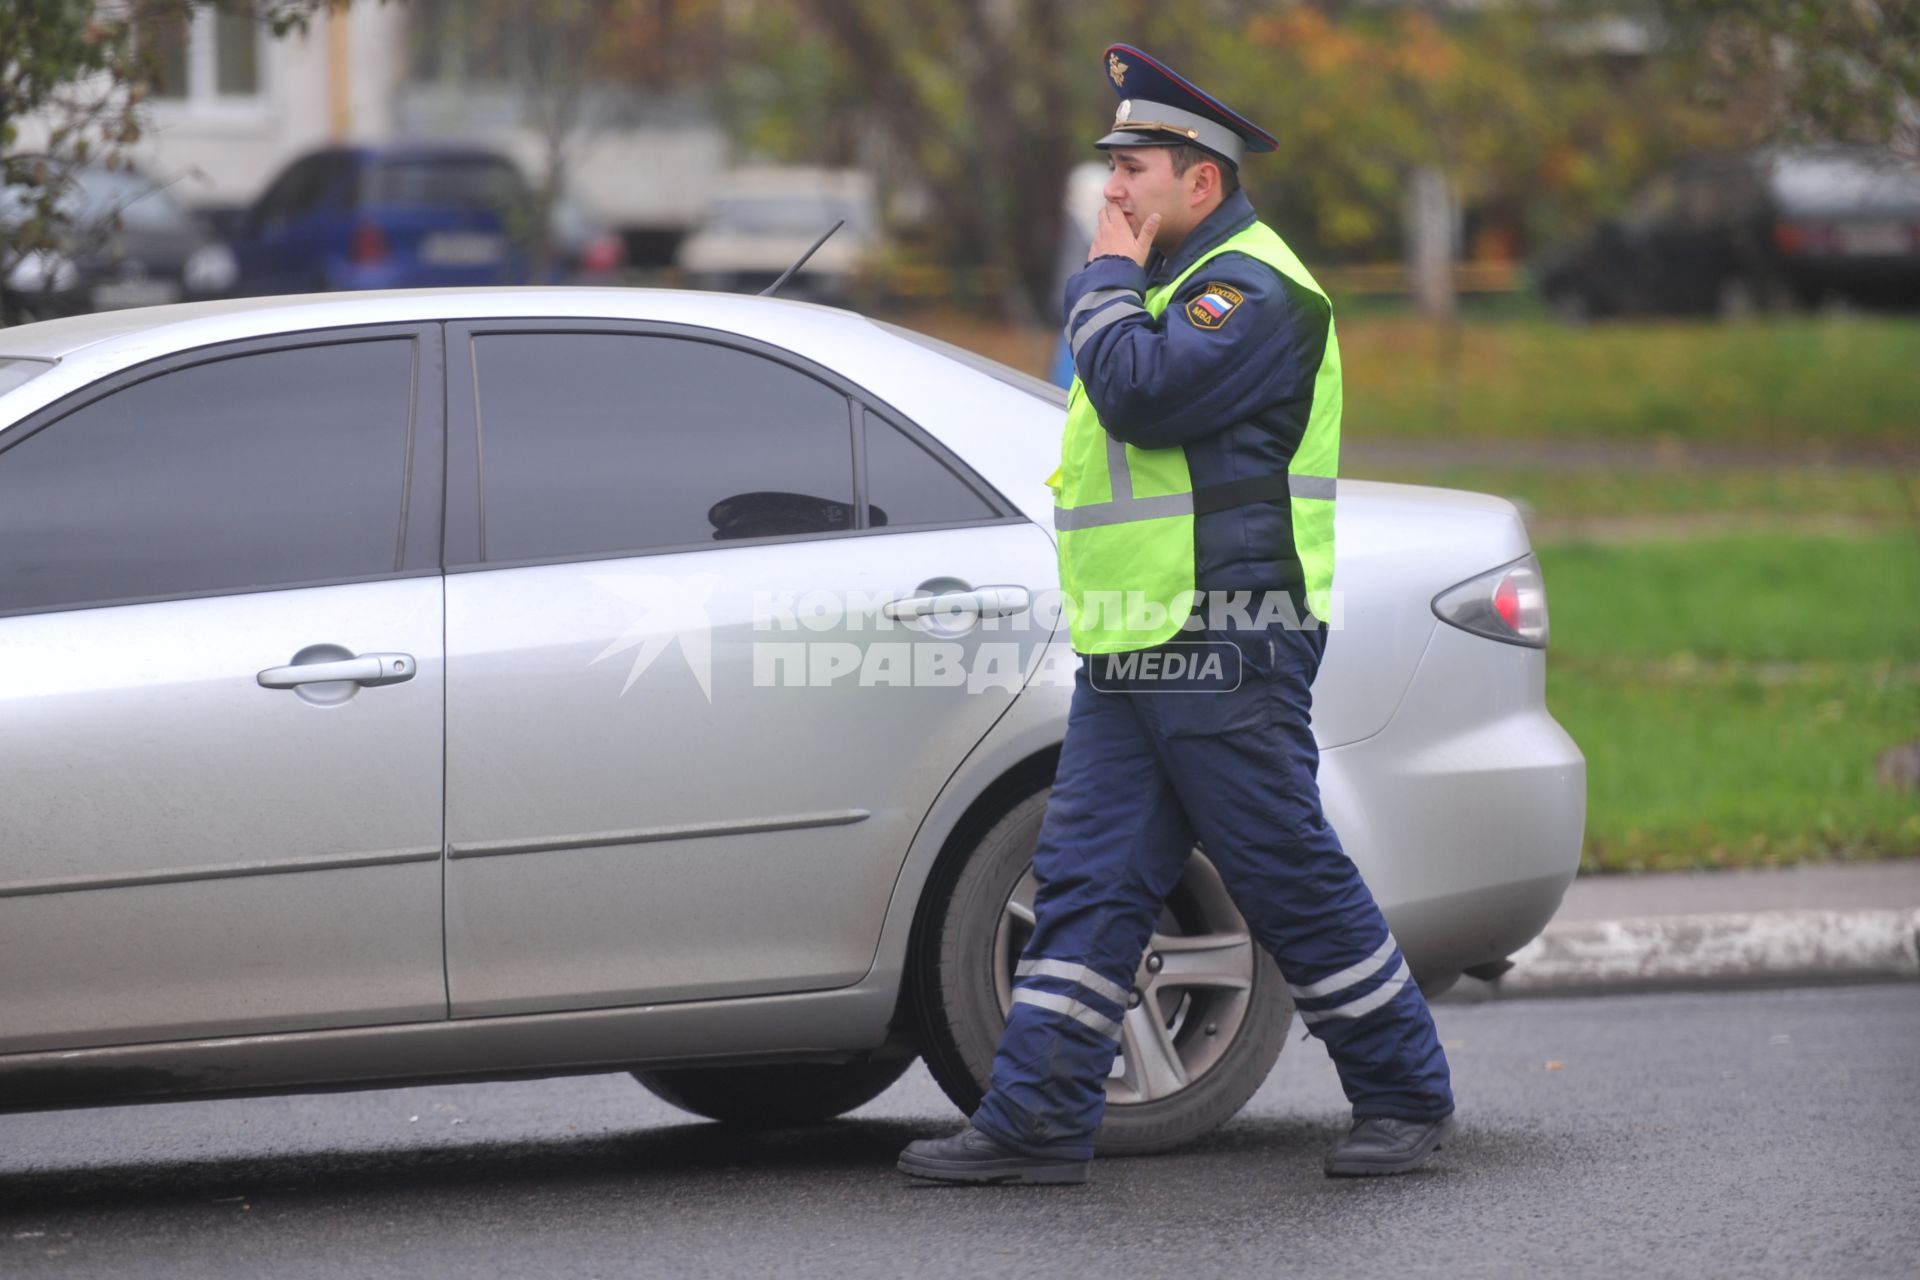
{"type": "Point", "coordinates": [460, 684]}
{"type": "Point", "coordinates": [763, 220]}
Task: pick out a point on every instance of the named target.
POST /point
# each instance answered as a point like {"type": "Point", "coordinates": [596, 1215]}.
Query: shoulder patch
{"type": "Point", "coordinates": [1215, 303]}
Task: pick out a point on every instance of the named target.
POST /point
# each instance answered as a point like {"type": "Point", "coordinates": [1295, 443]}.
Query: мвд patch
{"type": "Point", "coordinates": [1215, 303]}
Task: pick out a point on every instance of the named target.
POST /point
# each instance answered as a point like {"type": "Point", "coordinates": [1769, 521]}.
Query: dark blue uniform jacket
{"type": "Point", "coordinates": [1236, 394]}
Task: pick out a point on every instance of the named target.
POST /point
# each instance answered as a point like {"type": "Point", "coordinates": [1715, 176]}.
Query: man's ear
{"type": "Point", "coordinates": [1207, 181]}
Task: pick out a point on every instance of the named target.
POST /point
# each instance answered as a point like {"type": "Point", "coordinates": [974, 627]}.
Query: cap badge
{"type": "Point", "coordinates": [1116, 68]}
{"type": "Point", "coordinates": [1125, 111]}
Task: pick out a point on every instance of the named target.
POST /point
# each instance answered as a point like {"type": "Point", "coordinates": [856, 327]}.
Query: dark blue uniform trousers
{"type": "Point", "coordinates": [1144, 771]}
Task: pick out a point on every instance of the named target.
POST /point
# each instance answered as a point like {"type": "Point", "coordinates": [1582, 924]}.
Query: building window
{"type": "Point", "coordinates": [451, 44]}
{"type": "Point", "coordinates": [208, 55]}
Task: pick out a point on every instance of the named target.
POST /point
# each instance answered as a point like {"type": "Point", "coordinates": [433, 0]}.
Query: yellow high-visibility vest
{"type": "Point", "coordinates": [1124, 516]}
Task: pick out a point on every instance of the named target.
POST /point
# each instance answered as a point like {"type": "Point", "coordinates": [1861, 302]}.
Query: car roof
{"type": "Point", "coordinates": [183, 326]}
{"type": "Point", "coordinates": [410, 150]}
{"type": "Point", "coordinates": [1009, 435]}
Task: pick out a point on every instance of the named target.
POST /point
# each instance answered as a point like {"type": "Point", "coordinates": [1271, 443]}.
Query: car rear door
{"type": "Point", "coordinates": [221, 696]}
{"type": "Point", "coordinates": [687, 749]}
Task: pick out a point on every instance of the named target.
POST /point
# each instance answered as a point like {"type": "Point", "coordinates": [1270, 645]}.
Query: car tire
{"type": "Point", "coordinates": [776, 1096]}
{"type": "Point", "coordinates": [1223, 1040]}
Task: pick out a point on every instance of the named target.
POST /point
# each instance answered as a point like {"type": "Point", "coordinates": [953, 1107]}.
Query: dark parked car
{"type": "Point", "coordinates": [123, 241]}
{"type": "Point", "coordinates": [386, 217]}
{"type": "Point", "coordinates": [1736, 233]}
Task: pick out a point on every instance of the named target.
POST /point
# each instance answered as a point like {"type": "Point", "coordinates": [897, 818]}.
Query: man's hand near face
{"type": "Point", "coordinates": [1112, 236]}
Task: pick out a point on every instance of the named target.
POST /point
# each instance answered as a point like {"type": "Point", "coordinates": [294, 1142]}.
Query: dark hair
{"type": "Point", "coordinates": [1185, 155]}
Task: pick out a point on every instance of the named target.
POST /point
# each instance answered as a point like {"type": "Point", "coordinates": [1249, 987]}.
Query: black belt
{"type": "Point", "coordinates": [1240, 493]}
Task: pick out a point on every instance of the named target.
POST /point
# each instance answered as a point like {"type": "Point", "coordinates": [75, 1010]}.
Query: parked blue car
{"type": "Point", "coordinates": [388, 217]}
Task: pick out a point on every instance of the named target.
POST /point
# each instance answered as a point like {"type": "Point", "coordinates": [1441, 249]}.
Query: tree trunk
{"type": "Point", "coordinates": [1433, 234]}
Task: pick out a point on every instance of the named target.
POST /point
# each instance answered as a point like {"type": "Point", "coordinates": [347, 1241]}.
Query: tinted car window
{"type": "Point", "coordinates": [100, 200]}
{"type": "Point", "coordinates": [908, 485]}
{"type": "Point", "coordinates": [782, 215]}
{"type": "Point", "coordinates": [252, 472]}
{"type": "Point", "coordinates": [102, 195]}
{"type": "Point", "coordinates": [454, 182]}
{"type": "Point", "coordinates": [1843, 183]}
{"type": "Point", "coordinates": [297, 192]}
{"type": "Point", "coordinates": [593, 443]}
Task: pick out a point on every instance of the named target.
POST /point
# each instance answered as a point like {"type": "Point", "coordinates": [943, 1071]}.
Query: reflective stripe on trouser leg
{"type": "Point", "coordinates": [1079, 974]}
{"type": "Point", "coordinates": [1244, 765]}
{"type": "Point", "coordinates": [1111, 849]}
{"type": "Point", "coordinates": [1068, 1007]}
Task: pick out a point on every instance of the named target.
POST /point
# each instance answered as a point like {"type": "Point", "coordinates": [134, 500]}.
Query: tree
{"type": "Point", "coordinates": [565, 60]}
{"type": "Point", "coordinates": [986, 104]}
{"type": "Point", "coordinates": [1504, 108]}
{"type": "Point", "coordinates": [1803, 70]}
{"type": "Point", "coordinates": [81, 70]}
{"type": "Point", "coordinates": [969, 101]}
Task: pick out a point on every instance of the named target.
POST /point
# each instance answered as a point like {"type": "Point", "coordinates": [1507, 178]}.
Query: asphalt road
{"type": "Point", "coordinates": [1752, 1134]}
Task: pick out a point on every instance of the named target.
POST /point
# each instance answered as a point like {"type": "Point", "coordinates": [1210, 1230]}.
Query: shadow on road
{"type": "Point", "coordinates": [643, 1154]}
{"type": "Point", "coordinates": [659, 1156]}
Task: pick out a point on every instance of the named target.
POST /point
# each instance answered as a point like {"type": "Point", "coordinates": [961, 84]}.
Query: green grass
{"type": "Point", "coordinates": [1785, 384]}
{"type": "Point", "coordinates": [1738, 639]}
{"type": "Point", "coordinates": [1732, 695]}
{"type": "Point", "coordinates": [1759, 598]}
{"type": "Point", "coordinates": [1561, 494]}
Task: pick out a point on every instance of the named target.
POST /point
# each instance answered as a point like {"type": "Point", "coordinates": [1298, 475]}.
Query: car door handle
{"type": "Point", "coordinates": [367, 669]}
{"type": "Point", "coordinates": [984, 602]}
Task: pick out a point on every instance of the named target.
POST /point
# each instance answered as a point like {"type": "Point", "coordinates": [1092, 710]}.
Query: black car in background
{"type": "Point", "coordinates": [1732, 234]}
{"type": "Point", "coordinates": [123, 241]}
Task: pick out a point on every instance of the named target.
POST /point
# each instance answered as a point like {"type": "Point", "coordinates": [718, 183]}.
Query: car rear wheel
{"type": "Point", "coordinates": [1208, 1018]}
{"type": "Point", "coordinates": [772, 1097]}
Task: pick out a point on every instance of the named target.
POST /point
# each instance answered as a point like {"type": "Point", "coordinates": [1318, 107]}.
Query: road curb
{"type": "Point", "coordinates": [1709, 952]}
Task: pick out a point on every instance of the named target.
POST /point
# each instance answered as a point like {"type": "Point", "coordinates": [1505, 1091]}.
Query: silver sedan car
{"type": "Point", "coordinates": [467, 684]}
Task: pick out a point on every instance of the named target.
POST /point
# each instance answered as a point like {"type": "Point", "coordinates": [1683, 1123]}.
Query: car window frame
{"type": "Point", "coordinates": [465, 493]}
{"type": "Point", "coordinates": [418, 539]}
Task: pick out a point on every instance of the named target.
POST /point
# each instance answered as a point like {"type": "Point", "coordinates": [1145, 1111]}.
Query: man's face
{"type": "Point", "coordinates": [1142, 182]}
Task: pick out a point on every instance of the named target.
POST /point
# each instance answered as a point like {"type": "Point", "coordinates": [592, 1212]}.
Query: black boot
{"type": "Point", "coordinates": [1384, 1144]}
{"type": "Point", "coordinates": [971, 1156]}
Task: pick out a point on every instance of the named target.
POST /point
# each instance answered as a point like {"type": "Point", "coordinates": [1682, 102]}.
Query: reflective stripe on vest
{"type": "Point", "coordinates": [1127, 556]}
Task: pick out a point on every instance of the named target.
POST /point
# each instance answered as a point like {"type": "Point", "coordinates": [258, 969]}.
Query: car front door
{"type": "Point", "coordinates": [688, 746]}
{"type": "Point", "coordinates": [220, 697]}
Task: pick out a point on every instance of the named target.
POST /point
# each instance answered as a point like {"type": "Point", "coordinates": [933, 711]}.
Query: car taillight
{"type": "Point", "coordinates": [1794, 238]}
{"type": "Point", "coordinates": [606, 253]}
{"type": "Point", "coordinates": [369, 243]}
{"type": "Point", "coordinates": [1508, 604]}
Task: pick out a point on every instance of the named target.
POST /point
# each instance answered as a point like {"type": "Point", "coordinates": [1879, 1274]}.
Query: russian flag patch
{"type": "Point", "coordinates": [1215, 303]}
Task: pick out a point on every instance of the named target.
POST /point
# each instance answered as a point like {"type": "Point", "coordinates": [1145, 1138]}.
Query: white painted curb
{"type": "Point", "coordinates": [1759, 948]}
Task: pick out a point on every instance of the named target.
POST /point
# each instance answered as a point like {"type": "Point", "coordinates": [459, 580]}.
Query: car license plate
{"type": "Point", "coordinates": [1876, 238]}
{"type": "Point", "coordinates": [463, 249]}
{"type": "Point", "coordinates": [134, 293]}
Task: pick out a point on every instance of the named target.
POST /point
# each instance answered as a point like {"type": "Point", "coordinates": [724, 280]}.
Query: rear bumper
{"type": "Point", "coordinates": [1465, 812]}
{"type": "Point", "coordinates": [1879, 279]}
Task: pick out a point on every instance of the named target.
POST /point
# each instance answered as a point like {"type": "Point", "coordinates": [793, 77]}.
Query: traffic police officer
{"type": "Point", "coordinates": [1198, 465]}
